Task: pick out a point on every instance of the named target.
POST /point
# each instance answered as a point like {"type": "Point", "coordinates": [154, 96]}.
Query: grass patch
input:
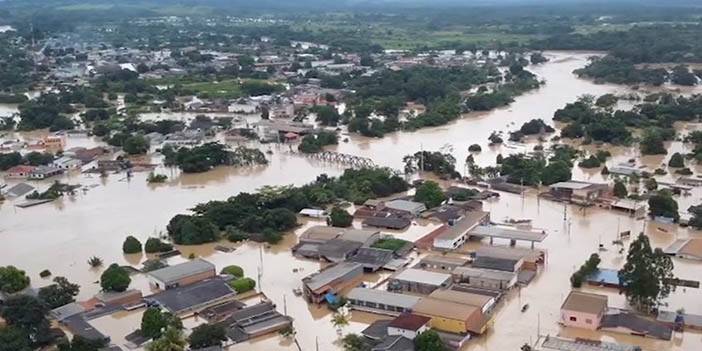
{"type": "Point", "coordinates": [392, 244]}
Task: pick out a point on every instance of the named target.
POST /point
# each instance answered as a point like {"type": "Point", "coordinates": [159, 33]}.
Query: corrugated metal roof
{"type": "Point", "coordinates": [422, 276]}
{"type": "Point", "coordinates": [383, 297]}
{"type": "Point", "coordinates": [182, 270]}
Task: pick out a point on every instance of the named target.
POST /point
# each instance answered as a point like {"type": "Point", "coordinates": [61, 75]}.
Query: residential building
{"type": "Point", "coordinates": [365, 237]}
{"type": "Point", "coordinates": [19, 172]}
{"type": "Point", "coordinates": [194, 298]}
{"type": "Point", "coordinates": [320, 234]}
{"type": "Point", "coordinates": [485, 278]}
{"type": "Point", "coordinates": [337, 250]}
{"type": "Point", "coordinates": [484, 302]}
{"type": "Point", "coordinates": [451, 317]}
{"type": "Point", "coordinates": [380, 301]}
{"type": "Point", "coordinates": [67, 163]}
{"type": "Point", "coordinates": [182, 274]}
{"type": "Point", "coordinates": [44, 172]}
{"type": "Point", "coordinates": [443, 263]}
{"type": "Point", "coordinates": [498, 263]}
{"type": "Point", "coordinates": [408, 325]}
{"type": "Point", "coordinates": [690, 248]}
{"type": "Point", "coordinates": [582, 193]}
{"type": "Point", "coordinates": [530, 259]}
{"type": "Point", "coordinates": [371, 258]}
{"type": "Point", "coordinates": [254, 321]}
{"type": "Point", "coordinates": [410, 207]}
{"type": "Point", "coordinates": [418, 281]}
{"type": "Point", "coordinates": [456, 233]}
{"type": "Point", "coordinates": [583, 310]}
{"type": "Point", "coordinates": [394, 343]}
{"type": "Point", "coordinates": [627, 322]}
{"type": "Point", "coordinates": [331, 280]}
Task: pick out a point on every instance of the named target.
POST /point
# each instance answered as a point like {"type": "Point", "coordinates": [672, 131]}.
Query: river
{"type": "Point", "coordinates": [61, 236]}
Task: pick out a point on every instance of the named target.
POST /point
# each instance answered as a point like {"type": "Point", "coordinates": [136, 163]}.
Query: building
{"type": "Point", "coordinates": [582, 193]}
{"type": "Point", "coordinates": [331, 280]}
{"type": "Point", "coordinates": [451, 317]}
{"type": "Point", "coordinates": [408, 325]}
{"type": "Point", "coordinates": [686, 248]}
{"type": "Point", "coordinates": [380, 301]}
{"type": "Point", "coordinates": [16, 190]}
{"type": "Point", "coordinates": [67, 163]}
{"type": "Point", "coordinates": [182, 274]}
{"type": "Point", "coordinates": [371, 258]}
{"type": "Point", "coordinates": [513, 234]}
{"type": "Point", "coordinates": [626, 322]}
{"type": "Point", "coordinates": [458, 232]}
{"type": "Point", "coordinates": [583, 310]}
{"type": "Point", "coordinates": [394, 343]}
{"type": "Point", "coordinates": [554, 343]}
{"type": "Point", "coordinates": [498, 263]}
{"type": "Point", "coordinates": [44, 172]}
{"type": "Point", "coordinates": [194, 298]}
{"type": "Point", "coordinates": [365, 237]}
{"type": "Point", "coordinates": [530, 259]}
{"type": "Point", "coordinates": [19, 172]}
{"type": "Point", "coordinates": [124, 298]}
{"type": "Point", "coordinates": [387, 222]}
{"type": "Point", "coordinates": [442, 263]}
{"type": "Point", "coordinates": [337, 250]}
{"type": "Point", "coordinates": [406, 206]}
{"type": "Point", "coordinates": [418, 281]}
{"type": "Point", "coordinates": [485, 278]}
{"type": "Point", "coordinates": [485, 303]}
{"type": "Point", "coordinates": [320, 234]}
{"type": "Point", "coordinates": [254, 321]}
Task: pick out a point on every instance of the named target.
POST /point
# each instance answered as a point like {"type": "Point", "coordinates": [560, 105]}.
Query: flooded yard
{"type": "Point", "coordinates": [61, 236]}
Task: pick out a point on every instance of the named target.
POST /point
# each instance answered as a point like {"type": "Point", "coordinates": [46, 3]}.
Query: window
{"type": "Point", "coordinates": [588, 321]}
{"type": "Point", "coordinates": [573, 319]}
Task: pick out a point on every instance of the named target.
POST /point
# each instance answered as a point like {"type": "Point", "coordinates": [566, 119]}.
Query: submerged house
{"type": "Point", "coordinates": [182, 274]}
{"type": "Point", "coordinates": [583, 310]}
{"type": "Point", "coordinates": [331, 280]}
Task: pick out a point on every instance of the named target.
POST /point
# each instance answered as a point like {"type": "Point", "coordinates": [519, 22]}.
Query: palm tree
{"type": "Point", "coordinates": [171, 340]}
{"type": "Point", "coordinates": [340, 320]}
{"type": "Point", "coordinates": [95, 261]}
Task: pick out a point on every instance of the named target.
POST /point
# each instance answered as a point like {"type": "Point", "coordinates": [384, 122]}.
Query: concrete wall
{"type": "Point", "coordinates": [406, 333]}
{"type": "Point", "coordinates": [577, 319]}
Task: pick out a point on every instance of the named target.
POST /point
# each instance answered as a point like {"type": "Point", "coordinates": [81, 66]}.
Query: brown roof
{"type": "Point", "coordinates": [409, 321]}
{"type": "Point", "coordinates": [585, 302]}
{"type": "Point", "coordinates": [692, 247]}
{"type": "Point", "coordinates": [446, 309]}
{"type": "Point", "coordinates": [461, 297]}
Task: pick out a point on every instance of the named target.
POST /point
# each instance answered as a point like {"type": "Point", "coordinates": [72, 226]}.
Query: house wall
{"type": "Point", "coordinates": [577, 319]}
{"type": "Point", "coordinates": [384, 308]}
{"type": "Point", "coordinates": [410, 334]}
{"type": "Point", "coordinates": [488, 283]}
{"type": "Point", "coordinates": [416, 287]}
{"type": "Point", "coordinates": [456, 326]}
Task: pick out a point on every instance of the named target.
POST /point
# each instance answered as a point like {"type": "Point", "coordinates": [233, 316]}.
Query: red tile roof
{"type": "Point", "coordinates": [409, 321]}
{"type": "Point", "coordinates": [21, 169]}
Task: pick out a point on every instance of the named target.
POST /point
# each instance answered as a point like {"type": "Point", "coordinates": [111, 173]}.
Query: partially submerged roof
{"type": "Point", "coordinates": [182, 270]}
{"type": "Point", "coordinates": [423, 277]}
{"type": "Point", "coordinates": [508, 233]}
{"type": "Point", "coordinates": [469, 221]}
{"type": "Point", "coordinates": [183, 298]}
{"type": "Point", "coordinates": [637, 324]}
{"type": "Point", "coordinates": [383, 297]}
{"type": "Point", "coordinates": [579, 301]}
{"type": "Point", "coordinates": [330, 274]}
{"type": "Point", "coordinates": [67, 311]}
{"type": "Point", "coordinates": [18, 190]}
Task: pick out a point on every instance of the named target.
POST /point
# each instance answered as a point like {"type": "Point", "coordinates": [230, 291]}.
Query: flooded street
{"type": "Point", "coordinates": [61, 236]}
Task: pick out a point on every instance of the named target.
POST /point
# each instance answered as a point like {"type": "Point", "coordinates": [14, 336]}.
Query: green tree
{"type": "Point", "coordinates": [652, 142]}
{"type": "Point", "coordinates": [620, 189]}
{"type": "Point", "coordinates": [12, 280]}
{"type": "Point", "coordinates": [115, 278]}
{"type": "Point", "coordinates": [171, 340]}
{"type": "Point", "coordinates": [355, 342]}
{"type": "Point", "coordinates": [13, 339]}
{"type": "Point", "coordinates": [646, 275]}
{"type": "Point", "coordinates": [430, 194]}
{"type": "Point", "coordinates": [135, 145]}
{"type": "Point", "coordinates": [243, 285]}
{"type": "Point", "coordinates": [79, 343]}
{"type": "Point", "coordinates": [60, 293]}
{"type": "Point", "coordinates": [663, 204]}
{"type": "Point", "coordinates": [131, 245]}
{"type": "Point", "coordinates": [556, 171]}
{"type": "Point", "coordinates": [207, 335]}
{"type": "Point", "coordinates": [676, 161]}
{"type": "Point", "coordinates": [154, 245]}
{"type": "Point", "coordinates": [589, 267]}
{"type": "Point", "coordinates": [233, 270]}
{"type": "Point", "coordinates": [154, 322]}
{"type": "Point", "coordinates": [429, 341]}
{"type": "Point", "coordinates": [651, 184]}
{"type": "Point", "coordinates": [340, 218]}
{"type": "Point", "coordinates": [27, 314]}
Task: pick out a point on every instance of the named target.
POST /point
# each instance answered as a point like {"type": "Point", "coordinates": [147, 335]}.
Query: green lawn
{"type": "Point", "coordinates": [226, 89]}
{"type": "Point", "coordinates": [392, 244]}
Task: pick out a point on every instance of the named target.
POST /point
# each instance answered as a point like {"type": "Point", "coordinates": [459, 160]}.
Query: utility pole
{"type": "Point", "coordinates": [285, 305]}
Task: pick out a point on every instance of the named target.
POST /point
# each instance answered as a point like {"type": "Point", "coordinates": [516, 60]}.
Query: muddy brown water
{"type": "Point", "coordinates": [62, 235]}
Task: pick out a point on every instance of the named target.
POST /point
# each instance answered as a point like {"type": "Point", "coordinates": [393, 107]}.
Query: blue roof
{"type": "Point", "coordinates": [331, 298]}
{"type": "Point", "coordinates": [604, 276]}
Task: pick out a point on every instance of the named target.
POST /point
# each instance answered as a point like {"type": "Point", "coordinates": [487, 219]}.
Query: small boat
{"type": "Point", "coordinates": [525, 307]}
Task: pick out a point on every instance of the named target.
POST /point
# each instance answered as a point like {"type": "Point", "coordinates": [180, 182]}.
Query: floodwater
{"type": "Point", "coordinates": [62, 235]}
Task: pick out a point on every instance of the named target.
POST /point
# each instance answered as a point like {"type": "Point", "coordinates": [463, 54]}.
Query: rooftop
{"type": "Point", "coordinates": [394, 343]}
{"type": "Point", "coordinates": [461, 297]}
{"type": "Point", "coordinates": [484, 273]}
{"type": "Point", "coordinates": [338, 248]}
{"type": "Point", "coordinates": [405, 205]}
{"type": "Point", "coordinates": [507, 252]}
{"type": "Point", "coordinates": [508, 233]}
{"type": "Point", "coordinates": [183, 298]}
{"type": "Point", "coordinates": [372, 257]}
{"type": "Point", "coordinates": [377, 330]}
{"type": "Point", "coordinates": [575, 185]}
{"type": "Point", "coordinates": [496, 263]}
{"type": "Point", "coordinates": [463, 225]}
{"type": "Point", "coordinates": [359, 235]}
{"type": "Point", "coordinates": [176, 272]}
{"type": "Point", "coordinates": [445, 260]}
{"type": "Point", "coordinates": [387, 222]}
{"type": "Point", "coordinates": [422, 276]}
{"type": "Point", "coordinates": [321, 233]}
{"type": "Point", "coordinates": [637, 324]}
{"type": "Point", "coordinates": [330, 274]}
{"type": "Point", "coordinates": [445, 309]}
{"type": "Point", "coordinates": [409, 321]}
{"type": "Point", "coordinates": [585, 302]}
{"type": "Point", "coordinates": [382, 296]}
{"type": "Point", "coordinates": [561, 344]}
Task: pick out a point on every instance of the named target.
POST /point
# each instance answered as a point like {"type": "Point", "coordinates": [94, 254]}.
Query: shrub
{"type": "Point", "coordinates": [154, 245]}
{"type": "Point", "coordinates": [242, 285]}
{"type": "Point", "coordinates": [131, 245]}
{"type": "Point", "coordinates": [676, 161]}
{"type": "Point", "coordinates": [45, 273]}
{"type": "Point", "coordinates": [115, 278]}
{"type": "Point", "coordinates": [590, 162]}
{"type": "Point", "coordinates": [684, 171]}
{"type": "Point", "coordinates": [340, 218]}
{"type": "Point", "coordinates": [474, 148]}
{"type": "Point", "coordinates": [233, 270]}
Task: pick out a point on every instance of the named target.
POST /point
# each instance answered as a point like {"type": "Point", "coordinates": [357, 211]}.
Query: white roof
{"type": "Point", "coordinates": [405, 205]}
{"type": "Point", "coordinates": [422, 276]}
{"type": "Point", "coordinates": [182, 270]}
{"type": "Point", "coordinates": [573, 185]}
{"type": "Point", "coordinates": [484, 273]}
{"type": "Point", "coordinates": [383, 297]}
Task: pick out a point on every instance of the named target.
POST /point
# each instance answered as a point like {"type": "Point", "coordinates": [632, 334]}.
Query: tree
{"type": "Point", "coordinates": [13, 339]}
{"type": "Point", "coordinates": [60, 293]}
{"type": "Point", "coordinates": [676, 161]}
{"type": "Point", "coordinates": [171, 340]}
{"type": "Point", "coordinates": [646, 276]}
{"type": "Point", "coordinates": [131, 245]}
{"type": "Point", "coordinates": [81, 344]}
{"type": "Point", "coordinates": [192, 230]}
{"type": "Point", "coordinates": [651, 184]}
{"type": "Point", "coordinates": [154, 245]}
{"type": "Point", "coordinates": [663, 204]}
{"type": "Point", "coordinates": [12, 280]}
{"type": "Point", "coordinates": [430, 194]}
{"type": "Point", "coordinates": [154, 322]}
{"type": "Point", "coordinates": [556, 171]}
{"type": "Point", "coordinates": [589, 267]}
{"type": "Point", "coordinates": [474, 148]}
{"type": "Point", "coordinates": [355, 342]}
{"type": "Point", "coordinates": [243, 285]}
{"type": "Point", "coordinates": [207, 335]}
{"type": "Point", "coordinates": [233, 270]}
{"type": "Point", "coordinates": [135, 145]}
{"type": "Point", "coordinates": [429, 341]}
{"type": "Point", "coordinates": [340, 218]}
{"type": "Point", "coordinates": [115, 278]}
{"type": "Point", "coordinates": [27, 314]}
{"type": "Point", "coordinates": [620, 189]}
{"type": "Point", "coordinates": [652, 142]}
